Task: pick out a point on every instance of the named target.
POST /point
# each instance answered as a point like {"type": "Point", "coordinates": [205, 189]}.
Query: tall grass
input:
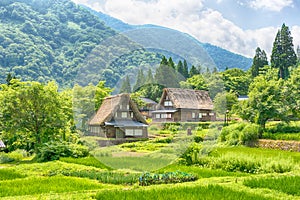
{"type": "Point", "coordinates": [9, 174]}
{"type": "Point", "coordinates": [39, 185]}
{"type": "Point", "coordinates": [286, 184]}
{"type": "Point", "coordinates": [87, 161]}
{"type": "Point", "coordinates": [210, 192]}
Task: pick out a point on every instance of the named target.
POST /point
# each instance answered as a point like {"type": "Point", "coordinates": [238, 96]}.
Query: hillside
{"type": "Point", "coordinates": [222, 58]}
{"type": "Point", "coordinates": [46, 40]}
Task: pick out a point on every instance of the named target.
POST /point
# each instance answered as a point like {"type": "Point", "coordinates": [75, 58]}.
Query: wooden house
{"type": "Point", "coordinates": [184, 105]}
{"type": "Point", "coordinates": [118, 117]}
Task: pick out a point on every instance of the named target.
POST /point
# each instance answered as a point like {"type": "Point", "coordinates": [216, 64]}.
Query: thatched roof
{"type": "Point", "coordinates": [187, 98]}
{"type": "Point", "coordinates": [109, 107]}
{"type": "Point", "coordinates": [2, 145]}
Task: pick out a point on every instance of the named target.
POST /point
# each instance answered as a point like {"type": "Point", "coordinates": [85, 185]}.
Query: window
{"type": "Point", "coordinates": [131, 114]}
{"type": "Point", "coordinates": [134, 132]}
{"type": "Point", "coordinates": [166, 116]}
{"type": "Point", "coordinates": [211, 114]}
{"type": "Point", "coordinates": [204, 114]}
{"type": "Point", "coordinates": [169, 116]}
{"type": "Point", "coordinates": [129, 132]}
{"type": "Point", "coordinates": [138, 132]}
{"type": "Point", "coordinates": [200, 115]}
{"type": "Point", "coordinates": [193, 115]}
{"type": "Point", "coordinates": [157, 116]}
{"type": "Point", "coordinates": [124, 115]}
{"type": "Point", "coordinates": [168, 103]}
{"type": "Point", "coordinates": [127, 106]}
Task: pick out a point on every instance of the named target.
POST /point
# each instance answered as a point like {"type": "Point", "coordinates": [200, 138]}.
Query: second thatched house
{"type": "Point", "coordinates": [118, 117]}
{"type": "Point", "coordinates": [184, 105]}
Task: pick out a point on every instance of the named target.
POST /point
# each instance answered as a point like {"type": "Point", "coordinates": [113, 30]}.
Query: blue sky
{"type": "Point", "coordinates": [236, 25]}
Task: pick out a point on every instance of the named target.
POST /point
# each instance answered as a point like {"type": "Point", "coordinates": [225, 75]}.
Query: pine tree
{"type": "Point", "coordinates": [125, 87]}
{"type": "Point", "coordinates": [179, 67]}
{"type": "Point", "coordinates": [259, 61]}
{"type": "Point", "coordinates": [171, 63]}
{"type": "Point", "coordinates": [164, 61]}
{"type": "Point", "coordinates": [185, 69]}
{"type": "Point", "coordinates": [193, 71]}
{"type": "Point", "coordinates": [149, 78]}
{"type": "Point", "coordinates": [283, 54]}
{"type": "Point", "coordinates": [140, 81]}
{"type": "Point", "coordinates": [298, 53]}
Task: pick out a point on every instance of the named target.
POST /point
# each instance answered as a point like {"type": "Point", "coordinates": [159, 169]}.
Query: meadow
{"type": "Point", "coordinates": [216, 171]}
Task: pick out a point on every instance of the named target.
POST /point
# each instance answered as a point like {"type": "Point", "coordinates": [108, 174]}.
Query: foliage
{"type": "Point", "coordinates": [236, 80]}
{"type": "Point", "coordinates": [197, 82]}
{"type": "Point", "coordinates": [53, 151]}
{"type": "Point", "coordinates": [125, 86]}
{"type": "Point", "coordinates": [291, 92]}
{"type": "Point", "coordinates": [240, 133]}
{"type": "Point", "coordinates": [286, 184]}
{"type": "Point", "coordinates": [265, 100]}
{"type": "Point", "coordinates": [224, 102]}
{"type": "Point", "coordinates": [169, 177]}
{"type": "Point", "coordinates": [283, 54]}
{"type": "Point", "coordinates": [259, 61]}
{"type": "Point", "coordinates": [33, 114]}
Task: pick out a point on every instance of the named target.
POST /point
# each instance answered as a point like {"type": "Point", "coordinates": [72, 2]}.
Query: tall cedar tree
{"type": "Point", "coordinates": [185, 69]}
{"type": "Point", "coordinates": [140, 80]}
{"type": "Point", "coordinates": [125, 87]}
{"type": "Point", "coordinates": [193, 71]}
{"type": "Point", "coordinates": [298, 53]}
{"type": "Point", "coordinates": [259, 61]}
{"type": "Point", "coordinates": [283, 54]}
{"type": "Point", "coordinates": [166, 75]}
{"type": "Point", "coordinates": [179, 67]}
{"type": "Point", "coordinates": [171, 63]}
{"type": "Point", "coordinates": [149, 77]}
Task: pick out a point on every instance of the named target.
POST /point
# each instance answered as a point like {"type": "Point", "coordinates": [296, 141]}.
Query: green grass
{"type": "Point", "coordinates": [286, 184]}
{"type": "Point", "coordinates": [9, 174]}
{"type": "Point", "coordinates": [39, 185]}
{"type": "Point", "coordinates": [106, 176]}
{"type": "Point", "coordinates": [87, 161]}
{"type": "Point", "coordinates": [210, 192]}
{"type": "Point", "coordinates": [282, 136]}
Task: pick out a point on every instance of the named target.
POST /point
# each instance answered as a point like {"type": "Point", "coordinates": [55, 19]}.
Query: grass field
{"type": "Point", "coordinates": [114, 172]}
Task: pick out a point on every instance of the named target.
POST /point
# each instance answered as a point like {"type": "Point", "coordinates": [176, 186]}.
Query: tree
{"type": "Point", "coordinates": [125, 87]}
{"type": "Point", "coordinates": [100, 93]}
{"type": "Point", "coordinates": [140, 80]}
{"type": "Point", "coordinates": [224, 102]}
{"type": "Point", "coordinates": [171, 63]}
{"type": "Point", "coordinates": [283, 54]}
{"type": "Point", "coordinates": [149, 77]}
{"type": "Point", "coordinates": [33, 114]}
{"type": "Point", "coordinates": [167, 76]}
{"type": "Point", "coordinates": [265, 99]}
{"type": "Point", "coordinates": [291, 92]}
{"type": "Point", "coordinates": [298, 54]}
{"type": "Point", "coordinates": [259, 61]}
{"type": "Point", "coordinates": [185, 69]}
{"type": "Point", "coordinates": [196, 82]}
{"type": "Point", "coordinates": [193, 71]}
{"type": "Point", "coordinates": [179, 67]}
{"type": "Point", "coordinates": [236, 80]}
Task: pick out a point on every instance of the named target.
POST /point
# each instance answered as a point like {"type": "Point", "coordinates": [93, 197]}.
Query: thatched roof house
{"type": "Point", "coordinates": [118, 117]}
{"type": "Point", "coordinates": [178, 104]}
{"type": "Point", "coordinates": [148, 108]}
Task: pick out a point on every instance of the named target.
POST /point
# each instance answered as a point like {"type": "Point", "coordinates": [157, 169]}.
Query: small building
{"type": "Point", "coordinates": [184, 105]}
{"type": "Point", "coordinates": [149, 107]}
{"type": "Point", "coordinates": [118, 117]}
{"type": "Point", "coordinates": [243, 97]}
{"type": "Point", "coordinates": [2, 145]}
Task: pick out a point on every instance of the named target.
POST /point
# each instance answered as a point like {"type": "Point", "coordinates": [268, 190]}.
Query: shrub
{"type": "Point", "coordinates": [240, 133]}
{"type": "Point", "coordinates": [53, 151]}
{"type": "Point", "coordinates": [165, 178]}
{"type": "Point", "coordinates": [5, 158]}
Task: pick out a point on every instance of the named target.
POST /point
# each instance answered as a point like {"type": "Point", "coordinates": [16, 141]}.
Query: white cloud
{"type": "Point", "coordinates": [272, 5]}
{"type": "Point", "coordinates": [192, 17]}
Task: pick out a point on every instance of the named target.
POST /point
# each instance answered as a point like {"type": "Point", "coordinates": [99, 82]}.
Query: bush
{"type": "Point", "coordinates": [53, 151]}
{"type": "Point", "coordinates": [240, 133]}
{"type": "Point", "coordinates": [168, 177]}
{"type": "Point", "coordinates": [283, 128]}
{"type": "Point", "coordinates": [16, 155]}
{"type": "Point", "coordinates": [5, 158]}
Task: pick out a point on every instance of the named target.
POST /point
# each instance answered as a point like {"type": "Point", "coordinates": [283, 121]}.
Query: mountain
{"type": "Point", "coordinates": [221, 57]}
